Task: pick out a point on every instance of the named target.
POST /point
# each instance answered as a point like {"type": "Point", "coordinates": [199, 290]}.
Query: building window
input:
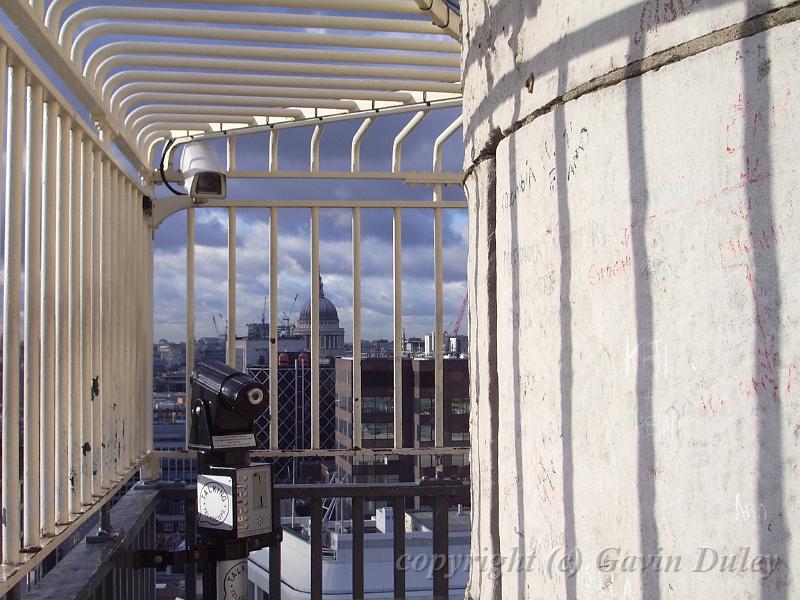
{"type": "Point", "coordinates": [425, 461]}
{"type": "Point", "coordinates": [460, 460]}
{"type": "Point", "coordinates": [459, 436]}
{"type": "Point", "coordinates": [377, 404]}
{"type": "Point", "coordinates": [345, 402]}
{"type": "Point", "coordinates": [425, 406]}
{"type": "Point", "coordinates": [378, 431]}
{"type": "Point", "coordinates": [425, 433]}
{"type": "Point", "coordinates": [459, 406]}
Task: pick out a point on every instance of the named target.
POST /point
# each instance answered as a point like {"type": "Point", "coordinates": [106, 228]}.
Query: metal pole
{"type": "Point", "coordinates": [149, 338]}
{"type": "Point", "coordinates": [231, 329]}
{"type": "Point", "coordinates": [97, 224]}
{"type": "Point", "coordinates": [85, 396]}
{"type": "Point", "coordinates": [47, 451]}
{"type": "Point", "coordinates": [76, 362]}
{"type": "Point", "coordinates": [11, 292]}
{"type": "Point", "coordinates": [273, 150]}
{"type": "Point", "coordinates": [438, 394]}
{"type": "Point", "coordinates": [397, 276]}
{"type": "Point", "coordinates": [32, 323]}
{"type": "Point", "coordinates": [190, 233]}
{"type": "Point", "coordinates": [115, 330]}
{"type": "Point", "coordinates": [315, 283]}
{"type": "Point", "coordinates": [273, 323]}
{"type": "Point", "coordinates": [106, 267]}
{"type": "Point", "coordinates": [62, 323]}
{"type": "Point", "coordinates": [357, 328]}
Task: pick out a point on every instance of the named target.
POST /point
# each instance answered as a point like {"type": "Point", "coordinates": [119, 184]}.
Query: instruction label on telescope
{"type": "Point", "coordinates": [215, 501]}
{"type": "Point", "coordinates": [241, 440]}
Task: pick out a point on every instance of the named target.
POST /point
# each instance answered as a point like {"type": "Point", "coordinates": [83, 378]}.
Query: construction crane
{"type": "Point", "coordinates": [457, 323]}
{"type": "Point", "coordinates": [286, 318]}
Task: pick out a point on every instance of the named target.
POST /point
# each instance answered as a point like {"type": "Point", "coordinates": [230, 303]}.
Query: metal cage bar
{"type": "Point", "coordinates": [273, 319]}
{"type": "Point", "coordinates": [11, 306]}
{"type": "Point", "coordinates": [47, 438]}
{"type": "Point", "coordinates": [190, 302]}
{"type": "Point", "coordinates": [230, 352]}
{"type": "Point", "coordinates": [315, 284]}
{"type": "Point", "coordinates": [32, 323]}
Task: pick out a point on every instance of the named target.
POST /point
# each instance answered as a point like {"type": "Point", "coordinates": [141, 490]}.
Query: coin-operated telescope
{"type": "Point", "coordinates": [234, 498]}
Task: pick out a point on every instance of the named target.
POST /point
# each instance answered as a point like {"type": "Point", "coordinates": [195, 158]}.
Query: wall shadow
{"type": "Point", "coordinates": [565, 356]}
{"type": "Point", "coordinates": [643, 300]}
{"type": "Point", "coordinates": [763, 276]}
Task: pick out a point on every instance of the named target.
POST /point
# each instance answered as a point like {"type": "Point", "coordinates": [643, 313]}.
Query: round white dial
{"type": "Point", "coordinates": [214, 503]}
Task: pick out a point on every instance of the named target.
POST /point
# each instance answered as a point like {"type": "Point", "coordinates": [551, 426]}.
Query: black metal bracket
{"type": "Point", "coordinates": [149, 559]}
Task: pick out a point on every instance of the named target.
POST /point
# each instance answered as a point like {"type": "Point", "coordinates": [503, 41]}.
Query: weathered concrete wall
{"type": "Point", "coordinates": [642, 310]}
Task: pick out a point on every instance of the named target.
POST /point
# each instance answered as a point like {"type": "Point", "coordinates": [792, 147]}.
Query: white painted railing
{"type": "Point", "coordinates": [76, 314]}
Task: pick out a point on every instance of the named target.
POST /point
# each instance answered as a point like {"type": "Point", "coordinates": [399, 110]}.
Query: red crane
{"type": "Point", "coordinates": [457, 323]}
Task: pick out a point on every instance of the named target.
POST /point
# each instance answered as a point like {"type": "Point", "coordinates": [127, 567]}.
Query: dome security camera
{"type": "Point", "coordinates": [202, 172]}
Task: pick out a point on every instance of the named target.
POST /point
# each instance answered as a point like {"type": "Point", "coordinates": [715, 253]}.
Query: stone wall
{"type": "Point", "coordinates": [635, 325]}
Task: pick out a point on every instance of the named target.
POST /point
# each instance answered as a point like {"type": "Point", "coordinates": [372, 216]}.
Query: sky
{"type": "Point", "coordinates": [335, 239]}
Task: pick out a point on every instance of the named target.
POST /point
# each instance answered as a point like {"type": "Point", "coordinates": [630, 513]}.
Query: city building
{"type": "Point", "coordinates": [377, 419]}
{"type": "Point", "coordinates": [331, 335]}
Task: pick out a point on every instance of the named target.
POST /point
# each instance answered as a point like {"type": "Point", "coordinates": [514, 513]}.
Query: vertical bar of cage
{"type": "Point", "coordinates": [441, 588]}
{"type": "Point", "coordinates": [86, 323]}
{"type": "Point", "coordinates": [355, 146]}
{"type": "Point", "coordinates": [397, 275]}
{"type": "Point", "coordinates": [273, 321]}
{"type": "Point", "coordinates": [231, 329]}
{"type": "Point", "coordinates": [31, 376]}
{"type": "Point", "coordinates": [106, 267]}
{"type": "Point", "coordinates": [62, 323]}
{"type": "Point", "coordinates": [129, 425]}
{"type": "Point", "coordinates": [76, 360]}
{"type": "Point", "coordinates": [47, 449]}
{"type": "Point", "coordinates": [316, 549]}
{"type": "Point", "coordinates": [358, 548]}
{"type": "Point", "coordinates": [357, 327]}
{"type": "Point", "coordinates": [438, 381]}
{"type": "Point", "coordinates": [115, 440]}
{"type": "Point", "coordinates": [399, 545]}
{"type": "Point", "coordinates": [149, 337]}
{"type": "Point", "coordinates": [97, 224]}
{"type": "Point", "coordinates": [11, 306]}
{"type": "Point", "coordinates": [124, 364]}
{"type": "Point", "coordinates": [272, 163]}
{"type": "Point", "coordinates": [190, 234]}
{"type": "Point", "coordinates": [439, 340]}
{"type": "Point", "coordinates": [316, 138]}
{"type": "Point", "coordinates": [315, 284]}
{"type": "Point", "coordinates": [231, 153]}
{"type": "Point", "coordinates": [275, 552]}
{"type": "Point", "coordinates": [134, 390]}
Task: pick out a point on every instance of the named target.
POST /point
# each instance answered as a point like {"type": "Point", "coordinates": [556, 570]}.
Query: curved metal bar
{"type": "Point", "coordinates": [316, 138]}
{"type": "Point", "coordinates": [96, 69]}
{"type": "Point", "coordinates": [113, 87]}
{"type": "Point", "coordinates": [278, 107]}
{"type": "Point", "coordinates": [443, 137]}
{"type": "Point", "coordinates": [133, 92]}
{"type": "Point", "coordinates": [57, 7]}
{"type": "Point", "coordinates": [421, 44]}
{"type": "Point", "coordinates": [397, 146]}
{"type": "Point", "coordinates": [293, 68]}
{"type": "Point", "coordinates": [355, 148]}
{"type": "Point", "coordinates": [248, 18]}
{"type": "Point", "coordinates": [135, 117]}
{"type": "Point", "coordinates": [437, 152]}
